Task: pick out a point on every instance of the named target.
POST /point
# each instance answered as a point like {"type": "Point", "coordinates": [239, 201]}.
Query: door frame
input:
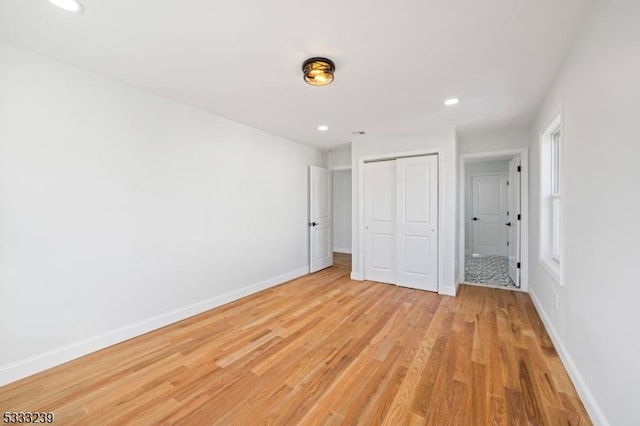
{"type": "Point", "coordinates": [524, 207]}
{"type": "Point", "coordinates": [360, 194]}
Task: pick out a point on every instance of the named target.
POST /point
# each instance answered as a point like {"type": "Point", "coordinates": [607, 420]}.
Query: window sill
{"type": "Point", "coordinates": [553, 268]}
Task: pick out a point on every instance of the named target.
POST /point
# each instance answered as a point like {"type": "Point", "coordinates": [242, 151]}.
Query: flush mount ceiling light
{"type": "Point", "coordinates": [69, 5]}
{"type": "Point", "coordinates": [318, 71]}
{"type": "Point", "coordinates": [452, 101]}
{"type": "Point", "coordinates": [323, 128]}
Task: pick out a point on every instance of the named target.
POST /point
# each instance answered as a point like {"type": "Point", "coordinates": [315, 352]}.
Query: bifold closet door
{"type": "Point", "coordinates": [401, 222]}
{"type": "Point", "coordinates": [417, 222]}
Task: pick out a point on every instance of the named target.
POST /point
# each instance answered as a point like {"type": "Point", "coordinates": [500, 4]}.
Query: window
{"type": "Point", "coordinates": [551, 199]}
{"type": "Point", "coordinates": [555, 194]}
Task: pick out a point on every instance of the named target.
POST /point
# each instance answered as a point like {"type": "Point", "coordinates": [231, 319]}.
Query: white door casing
{"type": "Point", "coordinates": [401, 222]}
{"type": "Point", "coordinates": [417, 222]}
{"type": "Point", "coordinates": [514, 230]}
{"type": "Point", "coordinates": [320, 220]}
{"type": "Point", "coordinates": [380, 212]}
{"type": "Point", "coordinates": [489, 215]}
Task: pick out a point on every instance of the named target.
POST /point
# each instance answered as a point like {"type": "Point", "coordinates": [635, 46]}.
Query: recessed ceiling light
{"type": "Point", "coordinates": [323, 128]}
{"type": "Point", "coordinates": [451, 101]}
{"type": "Point", "coordinates": [69, 5]}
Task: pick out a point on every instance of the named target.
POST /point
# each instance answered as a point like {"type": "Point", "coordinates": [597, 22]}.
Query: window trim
{"type": "Point", "coordinates": [551, 184]}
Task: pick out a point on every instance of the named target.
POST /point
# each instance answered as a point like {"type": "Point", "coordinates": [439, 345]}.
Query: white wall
{"type": "Point", "coordinates": [595, 325]}
{"type": "Point", "coordinates": [444, 140]}
{"type": "Point", "coordinates": [342, 211]}
{"type": "Point", "coordinates": [475, 169]}
{"type": "Point", "coordinates": [493, 140]}
{"type": "Point", "coordinates": [340, 158]}
{"type": "Point", "coordinates": [122, 211]}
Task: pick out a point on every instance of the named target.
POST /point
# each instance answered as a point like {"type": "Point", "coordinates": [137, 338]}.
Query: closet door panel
{"type": "Point", "coordinates": [380, 221]}
{"type": "Point", "coordinates": [417, 222]}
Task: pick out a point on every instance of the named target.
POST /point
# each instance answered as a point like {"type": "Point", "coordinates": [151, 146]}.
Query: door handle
{"type": "Point", "coordinates": [508, 223]}
{"type": "Point", "coordinates": [313, 224]}
{"type": "Point", "coordinates": [475, 218]}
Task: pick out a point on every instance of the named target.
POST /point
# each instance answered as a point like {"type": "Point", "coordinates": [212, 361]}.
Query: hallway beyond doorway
{"type": "Point", "coordinates": [342, 259]}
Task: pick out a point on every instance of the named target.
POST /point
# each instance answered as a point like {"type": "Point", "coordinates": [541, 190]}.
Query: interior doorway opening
{"type": "Point", "coordinates": [491, 219]}
{"type": "Point", "coordinates": [342, 201]}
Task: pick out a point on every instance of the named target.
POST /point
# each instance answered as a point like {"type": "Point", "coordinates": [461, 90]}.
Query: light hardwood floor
{"type": "Point", "coordinates": [323, 349]}
{"type": "Point", "coordinates": [342, 259]}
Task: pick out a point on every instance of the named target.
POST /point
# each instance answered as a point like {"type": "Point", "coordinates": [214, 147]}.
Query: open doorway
{"type": "Point", "coordinates": [492, 216]}
{"type": "Point", "coordinates": [342, 217]}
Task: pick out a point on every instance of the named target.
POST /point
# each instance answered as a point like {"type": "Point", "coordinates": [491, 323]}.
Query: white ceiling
{"type": "Point", "coordinates": [396, 61]}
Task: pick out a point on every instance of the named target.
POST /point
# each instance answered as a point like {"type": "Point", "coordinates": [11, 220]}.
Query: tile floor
{"type": "Point", "coordinates": [488, 270]}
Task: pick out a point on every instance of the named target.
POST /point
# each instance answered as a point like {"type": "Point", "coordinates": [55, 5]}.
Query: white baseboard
{"type": "Point", "coordinates": [27, 367]}
{"type": "Point", "coordinates": [447, 291]}
{"type": "Point", "coordinates": [342, 250]}
{"type": "Point", "coordinates": [357, 276]}
{"type": "Point", "coordinates": [590, 404]}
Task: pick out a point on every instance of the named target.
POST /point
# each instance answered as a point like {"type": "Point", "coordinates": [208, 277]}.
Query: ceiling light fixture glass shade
{"type": "Point", "coordinates": [69, 5]}
{"type": "Point", "coordinates": [318, 71]}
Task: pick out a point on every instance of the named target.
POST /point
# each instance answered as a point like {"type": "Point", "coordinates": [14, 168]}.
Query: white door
{"type": "Point", "coordinates": [513, 231]}
{"type": "Point", "coordinates": [379, 219]}
{"type": "Point", "coordinates": [417, 222]}
{"type": "Point", "coordinates": [320, 233]}
{"type": "Point", "coordinates": [401, 222]}
{"type": "Point", "coordinates": [489, 215]}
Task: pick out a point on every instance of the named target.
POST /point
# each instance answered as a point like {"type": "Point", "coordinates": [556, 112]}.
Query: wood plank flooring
{"type": "Point", "coordinates": [342, 259]}
{"type": "Point", "coordinates": [326, 350]}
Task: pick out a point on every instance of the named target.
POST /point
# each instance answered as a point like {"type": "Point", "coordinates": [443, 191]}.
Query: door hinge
{"type": "Point", "coordinates": [518, 265]}
{"type": "Point", "coordinates": [507, 243]}
{"type": "Point", "coordinates": [507, 183]}
{"type": "Point", "coordinates": [519, 169]}
{"type": "Point", "coordinates": [519, 217]}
